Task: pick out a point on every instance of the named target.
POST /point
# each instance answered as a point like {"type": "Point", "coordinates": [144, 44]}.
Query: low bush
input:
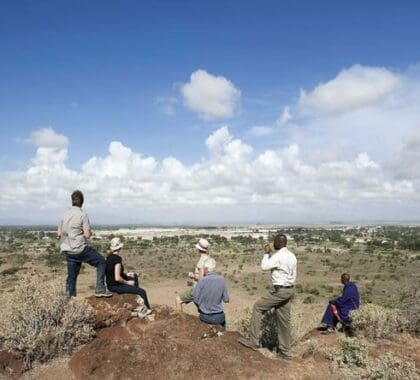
{"type": "Point", "coordinates": [410, 305]}
{"type": "Point", "coordinates": [242, 323]}
{"type": "Point", "coordinates": [53, 260]}
{"type": "Point", "coordinates": [300, 325]}
{"type": "Point", "coordinates": [269, 338]}
{"type": "Point", "coordinates": [39, 322]}
{"type": "Point", "coordinates": [377, 322]}
{"type": "Point", "coordinates": [350, 352]}
{"type": "Point", "coordinates": [10, 271]}
{"type": "Point", "coordinates": [391, 367]}
{"type": "Point", "coordinates": [308, 299]}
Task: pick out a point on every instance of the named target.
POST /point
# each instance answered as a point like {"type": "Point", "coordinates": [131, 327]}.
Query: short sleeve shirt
{"type": "Point", "coordinates": [200, 263]}
{"type": "Point", "coordinates": [73, 225]}
{"type": "Point", "coordinates": [111, 261]}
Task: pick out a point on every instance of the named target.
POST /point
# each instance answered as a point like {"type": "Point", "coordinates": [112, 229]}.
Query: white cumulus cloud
{"type": "Point", "coordinates": [359, 162]}
{"type": "Point", "coordinates": [212, 97]}
{"type": "Point", "coordinates": [48, 138]}
{"type": "Point", "coordinates": [231, 178]}
{"type": "Point", "coordinates": [352, 88]}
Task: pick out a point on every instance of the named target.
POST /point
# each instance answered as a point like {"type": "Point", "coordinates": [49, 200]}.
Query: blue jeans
{"type": "Point", "coordinates": [74, 262]}
{"type": "Point", "coordinates": [213, 319]}
{"type": "Point", "coordinates": [135, 289]}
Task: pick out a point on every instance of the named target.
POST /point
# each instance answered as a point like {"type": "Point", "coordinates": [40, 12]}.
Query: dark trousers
{"type": "Point", "coordinates": [74, 262]}
{"type": "Point", "coordinates": [329, 318]}
{"type": "Point", "coordinates": [213, 319]}
{"type": "Point", "coordinates": [129, 289]}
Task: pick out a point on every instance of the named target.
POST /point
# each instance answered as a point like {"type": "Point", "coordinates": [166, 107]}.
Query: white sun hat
{"type": "Point", "coordinates": [202, 245]}
{"type": "Point", "coordinates": [116, 244]}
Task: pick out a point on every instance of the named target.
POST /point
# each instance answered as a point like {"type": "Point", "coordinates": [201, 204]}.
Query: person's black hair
{"type": "Point", "coordinates": [280, 241]}
{"type": "Point", "coordinates": [77, 198]}
{"type": "Point", "coordinates": [345, 277]}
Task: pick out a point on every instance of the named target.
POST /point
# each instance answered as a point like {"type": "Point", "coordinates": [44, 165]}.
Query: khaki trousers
{"type": "Point", "coordinates": [280, 301]}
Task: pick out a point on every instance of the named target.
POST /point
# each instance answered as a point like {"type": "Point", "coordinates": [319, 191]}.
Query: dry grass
{"type": "Point", "coordinates": [377, 322]}
{"type": "Point", "coordinates": [301, 324]}
{"type": "Point", "coordinates": [391, 367]}
{"type": "Point", "coordinates": [39, 322]}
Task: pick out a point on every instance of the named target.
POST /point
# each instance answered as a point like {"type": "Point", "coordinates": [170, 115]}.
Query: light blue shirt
{"type": "Point", "coordinates": [209, 293]}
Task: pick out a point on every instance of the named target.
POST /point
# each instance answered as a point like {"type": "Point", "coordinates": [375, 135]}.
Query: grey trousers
{"type": "Point", "coordinates": [280, 301]}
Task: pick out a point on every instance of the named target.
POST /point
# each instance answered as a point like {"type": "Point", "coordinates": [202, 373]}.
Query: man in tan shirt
{"type": "Point", "coordinates": [73, 232]}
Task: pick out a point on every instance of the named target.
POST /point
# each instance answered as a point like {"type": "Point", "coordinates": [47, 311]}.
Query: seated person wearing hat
{"type": "Point", "coordinates": [209, 294]}
{"type": "Point", "coordinates": [187, 296]}
{"type": "Point", "coordinates": [117, 280]}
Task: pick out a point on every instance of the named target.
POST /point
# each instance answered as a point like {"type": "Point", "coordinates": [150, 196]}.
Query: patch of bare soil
{"type": "Point", "coordinates": [173, 347]}
{"type": "Point", "coordinates": [177, 346]}
{"type": "Point", "coordinates": [10, 365]}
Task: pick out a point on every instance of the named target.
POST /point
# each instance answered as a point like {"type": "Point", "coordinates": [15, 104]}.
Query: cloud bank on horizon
{"type": "Point", "coordinates": [349, 149]}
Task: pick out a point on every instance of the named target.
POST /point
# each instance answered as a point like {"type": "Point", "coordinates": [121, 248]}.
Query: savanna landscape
{"type": "Point", "coordinates": [384, 261]}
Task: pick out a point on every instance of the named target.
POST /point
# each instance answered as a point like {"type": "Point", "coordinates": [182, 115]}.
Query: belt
{"type": "Point", "coordinates": [219, 313]}
{"type": "Point", "coordinates": [277, 287]}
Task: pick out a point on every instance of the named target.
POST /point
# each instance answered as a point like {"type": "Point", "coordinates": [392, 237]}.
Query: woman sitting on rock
{"type": "Point", "coordinates": [120, 282]}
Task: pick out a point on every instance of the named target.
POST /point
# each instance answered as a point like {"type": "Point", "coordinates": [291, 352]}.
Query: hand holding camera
{"type": "Point", "coordinates": [268, 249]}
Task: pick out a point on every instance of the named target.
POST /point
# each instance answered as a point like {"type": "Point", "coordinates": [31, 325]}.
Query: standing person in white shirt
{"type": "Point", "coordinates": [282, 265]}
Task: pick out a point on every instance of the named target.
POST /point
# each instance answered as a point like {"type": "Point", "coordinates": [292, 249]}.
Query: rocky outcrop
{"type": "Point", "coordinates": [113, 311]}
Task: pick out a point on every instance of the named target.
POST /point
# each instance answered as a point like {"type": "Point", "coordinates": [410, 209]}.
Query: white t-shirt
{"type": "Point", "coordinates": [282, 265]}
{"type": "Point", "coordinates": [200, 264]}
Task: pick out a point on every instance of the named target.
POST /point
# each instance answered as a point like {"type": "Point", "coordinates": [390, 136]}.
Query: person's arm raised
{"type": "Point", "coordinates": [267, 262]}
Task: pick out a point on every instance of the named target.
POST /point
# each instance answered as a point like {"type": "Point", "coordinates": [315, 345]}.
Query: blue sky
{"type": "Point", "coordinates": [103, 71]}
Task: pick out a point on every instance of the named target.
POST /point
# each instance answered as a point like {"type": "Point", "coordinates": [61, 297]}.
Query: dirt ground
{"type": "Point", "coordinates": [175, 346]}
{"type": "Point", "coordinates": [178, 346]}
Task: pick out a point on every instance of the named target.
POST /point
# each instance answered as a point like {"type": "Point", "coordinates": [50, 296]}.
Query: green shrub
{"type": "Point", "coordinates": [377, 322]}
{"type": "Point", "coordinates": [410, 305]}
{"type": "Point", "coordinates": [392, 367]}
{"type": "Point", "coordinates": [53, 260]}
{"type": "Point", "coordinates": [269, 338]}
{"type": "Point", "coordinates": [242, 323]}
{"type": "Point", "coordinates": [10, 271]}
{"type": "Point", "coordinates": [313, 290]}
{"type": "Point", "coordinates": [300, 326]}
{"type": "Point", "coordinates": [301, 323]}
{"type": "Point", "coordinates": [39, 322]}
{"type": "Point", "coordinates": [350, 352]}
{"type": "Point", "coordinates": [308, 299]}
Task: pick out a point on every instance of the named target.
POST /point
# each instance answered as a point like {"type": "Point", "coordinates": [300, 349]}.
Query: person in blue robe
{"type": "Point", "coordinates": [338, 309]}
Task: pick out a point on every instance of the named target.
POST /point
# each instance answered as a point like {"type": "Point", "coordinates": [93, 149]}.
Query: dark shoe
{"type": "Point", "coordinates": [105, 293]}
{"type": "Point", "coordinates": [249, 344]}
{"type": "Point", "coordinates": [283, 356]}
{"type": "Point", "coordinates": [329, 330]}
